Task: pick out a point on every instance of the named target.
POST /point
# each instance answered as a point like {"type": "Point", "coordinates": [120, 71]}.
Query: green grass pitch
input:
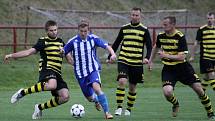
{"type": "Point", "coordinates": [150, 106]}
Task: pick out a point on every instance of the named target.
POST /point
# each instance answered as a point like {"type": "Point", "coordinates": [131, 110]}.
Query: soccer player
{"type": "Point", "coordinates": [80, 51]}
{"type": "Point", "coordinates": [50, 79]}
{"type": "Point", "coordinates": [132, 37]}
{"type": "Point", "coordinates": [172, 49]}
{"type": "Point", "coordinates": [205, 37]}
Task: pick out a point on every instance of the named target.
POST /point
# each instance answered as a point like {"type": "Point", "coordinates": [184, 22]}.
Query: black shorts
{"type": "Point", "coordinates": [45, 75]}
{"type": "Point", "coordinates": [182, 72]}
{"type": "Point", "coordinates": [134, 74]}
{"type": "Point", "coordinates": [206, 66]}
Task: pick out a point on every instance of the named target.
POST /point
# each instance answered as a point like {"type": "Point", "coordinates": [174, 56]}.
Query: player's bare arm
{"type": "Point", "coordinates": [20, 54]}
{"type": "Point", "coordinates": [113, 55]}
{"type": "Point", "coordinates": [180, 56]}
{"type": "Point", "coordinates": [69, 59]}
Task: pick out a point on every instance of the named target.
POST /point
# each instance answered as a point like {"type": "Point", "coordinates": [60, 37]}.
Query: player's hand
{"type": "Point", "coordinates": [150, 64]}
{"type": "Point", "coordinates": [145, 61]}
{"type": "Point", "coordinates": [61, 50]}
{"type": "Point", "coordinates": [7, 57]}
{"type": "Point", "coordinates": [162, 54]}
{"type": "Point", "coordinates": [112, 59]}
{"type": "Point", "coordinates": [191, 59]}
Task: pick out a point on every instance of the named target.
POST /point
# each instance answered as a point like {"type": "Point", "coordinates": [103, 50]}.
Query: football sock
{"type": "Point", "coordinates": [204, 84]}
{"type": "Point", "coordinates": [120, 95]}
{"type": "Point", "coordinates": [131, 100]}
{"type": "Point", "coordinates": [95, 98]}
{"type": "Point", "coordinates": [49, 104]}
{"type": "Point", "coordinates": [173, 100]}
{"type": "Point", "coordinates": [212, 83]}
{"type": "Point", "coordinates": [207, 103]}
{"type": "Point", "coordinates": [33, 89]}
{"type": "Point", "coordinates": [103, 101]}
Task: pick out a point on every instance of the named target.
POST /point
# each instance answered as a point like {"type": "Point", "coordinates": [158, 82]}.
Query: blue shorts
{"type": "Point", "coordinates": [86, 83]}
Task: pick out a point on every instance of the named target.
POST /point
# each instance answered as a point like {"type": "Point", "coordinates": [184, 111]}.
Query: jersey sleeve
{"type": "Point", "coordinates": [40, 45]}
{"type": "Point", "coordinates": [100, 43]}
{"type": "Point", "coordinates": [118, 40]}
{"type": "Point", "coordinates": [148, 44]}
{"type": "Point", "coordinates": [199, 35]}
{"type": "Point", "coordinates": [158, 44]}
{"type": "Point", "coordinates": [182, 47]}
{"type": "Point", "coordinates": [68, 47]}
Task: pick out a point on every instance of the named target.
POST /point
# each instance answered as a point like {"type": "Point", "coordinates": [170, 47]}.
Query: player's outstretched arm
{"type": "Point", "coordinates": [113, 55]}
{"type": "Point", "coordinates": [193, 50]}
{"type": "Point", "coordinates": [20, 54]}
{"type": "Point", "coordinates": [153, 55]}
{"type": "Point", "coordinates": [69, 59]}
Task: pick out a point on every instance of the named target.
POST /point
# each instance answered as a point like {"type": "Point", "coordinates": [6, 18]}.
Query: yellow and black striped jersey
{"type": "Point", "coordinates": [206, 37]}
{"type": "Point", "coordinates": [172, 44]}
{"type": "Point", "coordinates": [51, 57]}
{"type": "Point", "coordinates": [132, 38]}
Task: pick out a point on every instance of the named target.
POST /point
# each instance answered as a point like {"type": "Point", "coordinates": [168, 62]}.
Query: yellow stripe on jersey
{"type": "Point", "coordinates": [208, 36]}
{"type": "Point", "coordinates": [168, 40]}
{"type": "Point", "coordinates": [54, 58]}
{"type": "Point", "coordinates": [55, 43]}
{"type": "Point", "coordinates": [208, 55]}
{"type": "Point", "coordinates": [208, 58]}
{"type": "Point", "coordinates": [132, 49]}
{"type": "Point", "coordinates": [208, 41]}
{"type": "Point", "coordinates": [52, 48]}
{"type": "Point", "coordinates": [172, 63]}
{"type": "Point", "coordinates": [130, 54]}
{"type": "Point", "coordinates": [54, 53]}
{"type": "Point", "coordinates": [133, 43]}
{"type": "Point", "coordinates": [208, 31]}
{"type": "Point", "coordinates": [169, 47]}
{"type": "Point", "coordinates": [209, 46]}
{"type": "Point", "coordinates": [53, 63]}
{"type": "Point", "coordinates": [134, 31]}
{"type": "Point", "coordinates": [209, 51]}
{"type": "Point", "coordinates": [130, 60]}
{"type": "Point", "coordinates": [133, 37]}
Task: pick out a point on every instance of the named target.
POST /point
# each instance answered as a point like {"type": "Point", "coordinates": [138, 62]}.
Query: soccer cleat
{"type": "Point", "coordinates": [37, 113]}
{"type": "Point", "coordinates": [118, 111]}
{"type": "Point", "coordinates": [175, 110]}
{"type": "Point", "coordinates": [211, 116]}
{"type": "Point", "coordinates": [98, 106]}
{"type": "Point", "coordinates": [127, 113]}
{"type": "Point", "coordinates": [108, 116]}
{"type": "Point", "coordinates": [17, 96]}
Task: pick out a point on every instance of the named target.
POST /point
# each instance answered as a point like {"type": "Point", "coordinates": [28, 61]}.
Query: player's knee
{"type": "Point", "coordinates": [65, 98]}
{"type": "Point", "coordinates": [168, 93]}
{"type": "Point", "coordinates": [50, 86]}
{"type": "Point", "coordinates": [122, 82]}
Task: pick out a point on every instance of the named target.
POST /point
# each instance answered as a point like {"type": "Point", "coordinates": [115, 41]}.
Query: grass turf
{"type": "Point", "coordinates": [150, 106]}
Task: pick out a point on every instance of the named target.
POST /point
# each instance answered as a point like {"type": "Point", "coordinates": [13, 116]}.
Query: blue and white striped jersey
{"type": "Point", "coordinates": [84, 54]}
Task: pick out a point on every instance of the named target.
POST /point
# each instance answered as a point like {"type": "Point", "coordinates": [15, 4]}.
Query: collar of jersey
{"type": "Point", "coordinates": [51, 38]}
{"type": "Point", "coordinates": [135, 25]}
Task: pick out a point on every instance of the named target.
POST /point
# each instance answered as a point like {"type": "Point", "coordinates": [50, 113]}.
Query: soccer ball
{"type": "Point", "coordinates": [77, 111]}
